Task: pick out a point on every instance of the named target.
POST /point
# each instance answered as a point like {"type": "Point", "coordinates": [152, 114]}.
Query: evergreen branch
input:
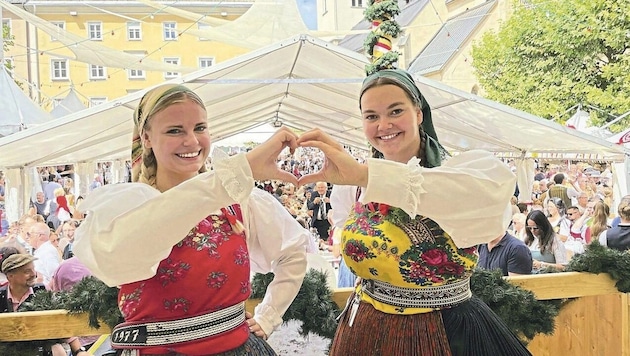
{"type": "Point", "coordinates": [599, 259]}
{"type": "Point", "coordinates": [383, 10]}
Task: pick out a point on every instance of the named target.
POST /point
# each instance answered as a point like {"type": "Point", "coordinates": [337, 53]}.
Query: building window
{"type": "Point", "coordinates": [6, 23]}
{"type": "Point", "coordinates": [205, 62]}
{"type": "Point", "coordinates": [59, 69]}
{"type": "Point", "coordinates": [97, 72]}
{"type": "Point", "coordinates": [357, 3]}
{"type": "Point", "coordinates": [136, 73]}
{"type": "Point", "coordinates": [134, 31]}
{"type": "Point", "coordinates": [97, 100]}
{"type": "Point", "coordinates": [61, 25]}
{"type": "Point", "coordinates": [95, 31]}
{"type": "Point", "coordinates": [203, 27]}
{"type": "Point", "coordinates": [174, 61]}
{"type": "Point", "coordinates": [170, 31]}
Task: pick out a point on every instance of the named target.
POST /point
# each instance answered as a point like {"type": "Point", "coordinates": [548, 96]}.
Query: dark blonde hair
{"type": "Point", "coordinates": [144, 167]}
{"type": "Point", "coordinates": [623, 209]}
{"type": "Point", "coordinates": [600, 218]}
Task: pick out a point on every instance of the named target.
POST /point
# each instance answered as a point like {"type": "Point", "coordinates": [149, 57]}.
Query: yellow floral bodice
{"type": "Point", "coordinates": [414, 254]}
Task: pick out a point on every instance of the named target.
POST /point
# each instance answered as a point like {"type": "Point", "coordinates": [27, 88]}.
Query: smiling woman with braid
{"type": "Point", "coordinates": [179, 241]}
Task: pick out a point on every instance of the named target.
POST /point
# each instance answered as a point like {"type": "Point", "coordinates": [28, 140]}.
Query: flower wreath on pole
{"type": "Point", "coordinates": [378, 44]}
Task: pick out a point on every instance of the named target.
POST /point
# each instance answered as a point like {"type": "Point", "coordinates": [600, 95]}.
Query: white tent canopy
{"type": "Point", "coordinates": [71, 103]}
{"type": "Point", "coordinates": [303, 83]}
{"type": "Point", "coordinates": [17, 111]}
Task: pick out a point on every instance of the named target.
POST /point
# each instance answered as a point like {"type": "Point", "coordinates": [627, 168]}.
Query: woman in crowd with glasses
{"type": "Point", "coordinates": [547, 249]}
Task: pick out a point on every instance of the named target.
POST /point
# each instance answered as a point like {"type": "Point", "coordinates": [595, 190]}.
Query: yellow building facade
{"type": "Point", "coordinates": [126, 26]}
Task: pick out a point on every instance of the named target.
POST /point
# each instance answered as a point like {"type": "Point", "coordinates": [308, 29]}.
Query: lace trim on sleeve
{"type": "Point", "coordinates": [226, 169]}
{"type": "Point", "coordinates": [414, 187]}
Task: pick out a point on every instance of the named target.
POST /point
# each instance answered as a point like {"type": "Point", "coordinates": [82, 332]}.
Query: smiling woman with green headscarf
{"type": "Point", "coordinates": [410, 231]}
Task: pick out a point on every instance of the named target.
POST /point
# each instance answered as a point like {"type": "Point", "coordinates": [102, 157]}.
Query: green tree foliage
{"type": "Point", "coordinates": [553, 54]}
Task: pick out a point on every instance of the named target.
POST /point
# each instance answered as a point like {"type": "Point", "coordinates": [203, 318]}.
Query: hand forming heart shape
{"type": "Point", "coordinates": [339, 166]}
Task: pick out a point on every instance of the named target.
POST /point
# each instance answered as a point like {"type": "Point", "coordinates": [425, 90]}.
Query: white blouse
{"type": "Point", "coordinates": [117, 241]}
{"type": "Point", "coordinates": [468, 195]}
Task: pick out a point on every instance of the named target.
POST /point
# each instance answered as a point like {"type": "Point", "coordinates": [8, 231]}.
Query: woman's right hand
{"type": "Point", "coordinates": [264, 157]}
{"type": "Point", "coordinates": [339, 166]}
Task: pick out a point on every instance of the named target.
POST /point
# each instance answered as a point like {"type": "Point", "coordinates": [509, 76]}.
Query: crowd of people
{"type": "Point", "coordinates": [182, 241]}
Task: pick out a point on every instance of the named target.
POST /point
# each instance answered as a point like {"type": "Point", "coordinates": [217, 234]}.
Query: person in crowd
{"type": "Point", "coordinates": [41, 206]}
{"type": "Point", "coordinates": [579, 234]}
{"type": "Point", "coordinates": [518, 226]}
{"type": "Point", "coordinates": [21, 276]}
{"type": "Point", "coordinates": [557, 218]}
{"type": "Point", "coordinates": [76, 213]}
{"type": "Point", "coordinates": [182, 243]}
{"type": "Point", "coordinates": [21, 287]}
{"type": "Point", "coordinates": [404, 241]}
{"type": "Point", "coordinates": [51, 186]}
{"type": "Point", "coordinates": [7, 249]}
{"type": "Point", "coordinates": [48, 257]}
{"type": "Point", "coordinates": [67, 231]}
{"type": "Point", "coordinates": [506, 253]}
{"type": "Point", "coordinates": [319, 205]}
{"type": "Point", "coordinates": [618, 237]}
{"type": "Point", "coordinates": [582, 202]}
{"type": "Point", "coordinates": [547, 249]}
{"type": "Point", "coordinates": [69, 273]}
{"type": "Point", "coordinates": [599, 221]}
{"type": "Point", "coordinates": [562, 189]}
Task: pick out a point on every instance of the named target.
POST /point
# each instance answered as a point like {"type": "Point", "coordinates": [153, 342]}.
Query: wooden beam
{"type": "Point", "coordinates": [566, 285]}
{"type": "Point", "coordinates": [48, 324]}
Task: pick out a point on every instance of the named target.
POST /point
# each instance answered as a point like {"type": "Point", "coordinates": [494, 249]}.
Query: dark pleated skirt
{"type": "Point", "coordinates": [254, 346]}
{"type": "Point", "coordinates": [469, 329]}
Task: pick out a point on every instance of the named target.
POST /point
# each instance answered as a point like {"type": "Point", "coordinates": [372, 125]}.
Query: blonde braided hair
{"type": "Point", "coordinates": [144, 164]}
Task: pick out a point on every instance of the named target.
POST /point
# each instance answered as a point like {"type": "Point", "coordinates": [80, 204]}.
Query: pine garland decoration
{"type": "Point", "coordinates": [518, 308]}
{"type": "Point", "coordinates": [313, 305]}
{"type": "Point", "coordinates": [599, 259]}
{"type": "Point", "coordinates": [378, 44]}
{"type": "Point", "coordinates": [90, 296]}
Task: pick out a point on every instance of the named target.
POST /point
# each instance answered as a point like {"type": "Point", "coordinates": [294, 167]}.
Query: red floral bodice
{"type": "Point", "coordinates": [206, 271]}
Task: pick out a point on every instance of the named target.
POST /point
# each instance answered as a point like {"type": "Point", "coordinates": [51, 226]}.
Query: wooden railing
{"type": "Point", "coordinates": [597, 322]}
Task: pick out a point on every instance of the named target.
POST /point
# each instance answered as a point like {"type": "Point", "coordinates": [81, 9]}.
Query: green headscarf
{"type": "Point", "coordinates": [433, 149]}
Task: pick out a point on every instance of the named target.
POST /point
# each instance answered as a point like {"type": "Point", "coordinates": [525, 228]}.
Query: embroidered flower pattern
{"type": "Point", "coordinates": [357, 250]}
{"type": "Point", "coordinates": [245, 288]}
{"type": "Point", "coordinates": [366, 220]}
{"type": "Point", "coordinates": [177, 305]}
{"type": "Point", "coordinates": [171, 271]}
{"type": "Point", "coordinates": [241, 257]}
{"type": "Point", "coordinates": [211, 233]}
{"type": "Point", "coordinates": [216, 279]}
{"type": "Point", "coordinates": [128, 303]}
{"type": "Point", "coordinates": [429, 261]}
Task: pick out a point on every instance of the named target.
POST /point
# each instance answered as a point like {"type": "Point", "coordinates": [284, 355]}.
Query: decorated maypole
{"type": "Point", "coordinates": [378, 44]}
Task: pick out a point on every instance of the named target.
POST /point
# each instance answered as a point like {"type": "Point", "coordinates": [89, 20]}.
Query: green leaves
{"type": "Point", "coordinates": [555, 54]}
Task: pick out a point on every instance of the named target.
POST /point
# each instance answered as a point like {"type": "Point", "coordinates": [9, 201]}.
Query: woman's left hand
{"type": "Point", "coordinates": [254, 327]}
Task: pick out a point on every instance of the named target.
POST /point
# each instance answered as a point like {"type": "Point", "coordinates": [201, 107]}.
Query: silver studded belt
{"type": "Point", "coordinates": [181, 330]}
{"type": "Point", "coordinates": [433, 297]}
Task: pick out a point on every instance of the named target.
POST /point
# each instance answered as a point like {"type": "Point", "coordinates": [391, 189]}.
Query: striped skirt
{"type": "Point", "coordinates": [469, 329]}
